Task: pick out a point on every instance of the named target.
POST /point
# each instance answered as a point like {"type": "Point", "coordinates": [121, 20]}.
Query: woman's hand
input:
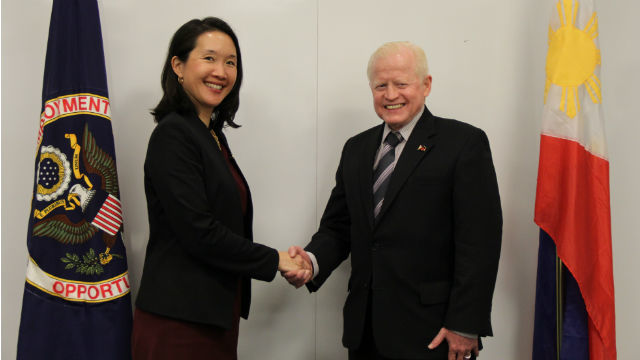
{"type": "Point", "coordinates": [297, 278]}
{"type": "Point", "coordinates": [287, 264]}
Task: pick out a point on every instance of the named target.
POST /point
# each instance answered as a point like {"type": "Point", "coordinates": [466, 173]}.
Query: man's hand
{"type": "Point", "coordinates": [294, 263]}
{"type": "Point", "coordinates": [298, 278]}
{"type": "Point", "coordinates": [460, 347]}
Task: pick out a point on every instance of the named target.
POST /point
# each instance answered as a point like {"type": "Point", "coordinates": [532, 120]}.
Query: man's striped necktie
{"type": "Point", "coordinates": [382, 173]}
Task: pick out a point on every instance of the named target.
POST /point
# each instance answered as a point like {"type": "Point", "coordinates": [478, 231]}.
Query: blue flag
{"type": "Point", "coordinates": [77, 302]}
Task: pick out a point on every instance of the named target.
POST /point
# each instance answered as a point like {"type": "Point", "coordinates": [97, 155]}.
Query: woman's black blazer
{"type": "Point", "coordinates": [200, 244]}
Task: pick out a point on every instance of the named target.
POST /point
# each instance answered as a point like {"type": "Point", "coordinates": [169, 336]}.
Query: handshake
{"type": "Point", "coordinates": [295, 266]}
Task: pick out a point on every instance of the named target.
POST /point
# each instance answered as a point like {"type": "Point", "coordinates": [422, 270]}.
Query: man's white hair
{"type": "Point", "coordinates": [422, 69]}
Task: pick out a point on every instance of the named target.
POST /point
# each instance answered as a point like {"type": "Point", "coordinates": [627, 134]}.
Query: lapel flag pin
{"type": "Point", "coordinates": [422, 148]}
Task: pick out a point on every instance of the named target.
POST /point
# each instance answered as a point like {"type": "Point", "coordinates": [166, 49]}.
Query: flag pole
{"type": "Point", "coordinates": [559, 311]}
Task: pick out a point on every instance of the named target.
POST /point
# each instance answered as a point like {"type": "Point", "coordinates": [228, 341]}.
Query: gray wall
{"type": "Point", "coordinates": [305, 93]}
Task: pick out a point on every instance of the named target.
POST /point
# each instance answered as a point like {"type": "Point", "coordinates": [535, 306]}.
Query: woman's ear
{"type": "Point", "coordinates": [177, 65]}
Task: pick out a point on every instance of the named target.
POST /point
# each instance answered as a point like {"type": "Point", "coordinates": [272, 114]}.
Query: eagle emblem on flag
{"type": "Point", "coordinates": [94, 193]}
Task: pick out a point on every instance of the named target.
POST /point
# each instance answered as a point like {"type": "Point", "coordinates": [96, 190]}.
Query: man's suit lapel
{"type": "Point", "coordinates": [419, 144]}
{"type": "Point", "coordinates": [370, 149]}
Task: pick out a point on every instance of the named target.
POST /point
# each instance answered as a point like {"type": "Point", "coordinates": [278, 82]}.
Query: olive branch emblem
{"type": "Point", "coordinates": [90, 264]}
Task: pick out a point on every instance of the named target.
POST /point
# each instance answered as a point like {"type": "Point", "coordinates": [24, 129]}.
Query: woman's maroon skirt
{"type": "Point", "coordinates": [157, 337]}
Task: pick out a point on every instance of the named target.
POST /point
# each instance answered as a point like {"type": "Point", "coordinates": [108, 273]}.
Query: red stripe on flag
{"type": "Point", "coordinates": [572, 206]}
{"type": "Point", "coordinates": [113, 201]}
{"type": "Point", "coordinates": [108, 222]}
{"type": "Point", "coordinates": [110, 214]}
{"type": "Point", "coordinates": [102, 226]}
{"type": "Point", "coordinates": [108, 228]}
{"type": "Point", "coordinates": [111, 208]}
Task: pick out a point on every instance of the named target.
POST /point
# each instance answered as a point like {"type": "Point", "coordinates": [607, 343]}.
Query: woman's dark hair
{"type": "Point", "coordinates": [174, 98]}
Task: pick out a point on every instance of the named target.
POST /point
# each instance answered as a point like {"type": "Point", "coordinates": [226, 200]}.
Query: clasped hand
{"type": "Point", "coordinates": [295, 266]}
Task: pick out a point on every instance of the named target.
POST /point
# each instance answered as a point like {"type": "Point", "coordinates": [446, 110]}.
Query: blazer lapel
{"type": "Point", "coordinates": [419, 144]}
{"type": "Point", "coordinates": [223, 140]}
{"type": "Point", "coordinates": [370, 148]}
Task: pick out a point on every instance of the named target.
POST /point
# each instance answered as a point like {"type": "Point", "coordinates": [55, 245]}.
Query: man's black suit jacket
{"type": "Point", "coordinates": [200, 244]}
{"type": "Point", "coordinates": [430, 259]}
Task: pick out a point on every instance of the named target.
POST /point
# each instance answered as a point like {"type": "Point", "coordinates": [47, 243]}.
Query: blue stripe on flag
{"type": "Point", "coordinates": [575, 335]}
{"type": "Point", "coordinates": [544, 329]}
{"type": "Point", "coordinates": [575, 339]}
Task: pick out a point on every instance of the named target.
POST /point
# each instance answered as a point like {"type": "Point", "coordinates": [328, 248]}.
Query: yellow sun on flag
{"type": "Point", "coordinates": [572, 58]}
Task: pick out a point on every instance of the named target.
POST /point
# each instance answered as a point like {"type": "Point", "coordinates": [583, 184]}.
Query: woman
{"type": "Point", "coordinates": [200, 256]}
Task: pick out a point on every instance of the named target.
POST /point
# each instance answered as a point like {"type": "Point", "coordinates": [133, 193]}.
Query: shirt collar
{"type": "Point", "coordinates": [406, 130]}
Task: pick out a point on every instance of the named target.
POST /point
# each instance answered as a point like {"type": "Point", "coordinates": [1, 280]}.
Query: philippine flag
{"type": "Point", "coordinates": [572, 199]}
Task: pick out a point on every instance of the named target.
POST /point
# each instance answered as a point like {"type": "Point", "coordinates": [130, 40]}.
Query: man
{"type": "Point", "coordinates": [416, 204]}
